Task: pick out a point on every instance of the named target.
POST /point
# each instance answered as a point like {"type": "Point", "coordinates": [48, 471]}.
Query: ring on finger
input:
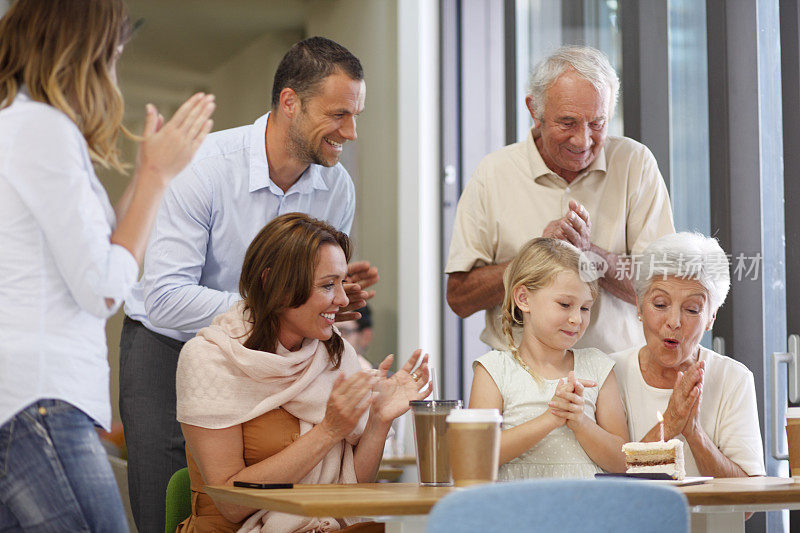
{"type": "Point", "coordinates": [415, 376]}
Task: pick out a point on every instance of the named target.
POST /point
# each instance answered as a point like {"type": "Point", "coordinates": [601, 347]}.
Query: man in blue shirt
{"type": "Point", "coordinates": [239, 180]}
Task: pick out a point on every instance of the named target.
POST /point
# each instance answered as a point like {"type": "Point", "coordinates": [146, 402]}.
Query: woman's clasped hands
{"type": "Point", "coordinates": [567, 402]}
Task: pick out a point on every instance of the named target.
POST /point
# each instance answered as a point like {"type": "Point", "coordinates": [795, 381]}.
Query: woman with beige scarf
{"type": "Point", "coordinates": [271, 393]}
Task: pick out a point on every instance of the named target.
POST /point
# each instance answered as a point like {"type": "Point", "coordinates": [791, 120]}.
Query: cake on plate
{"type": "Point", "coordinates": [655, 457]}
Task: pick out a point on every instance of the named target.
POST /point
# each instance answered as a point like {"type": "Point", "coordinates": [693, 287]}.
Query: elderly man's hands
{"type": "Point", "coordinates": [574, 227]}
{"type": "Point", "coordinates": [360, 275]}
{"type": "Point", "coordinates": [682, 413]}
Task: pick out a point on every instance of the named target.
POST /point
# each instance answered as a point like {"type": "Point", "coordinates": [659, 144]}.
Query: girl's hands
{"type": "Point", "coordinates": [168, 148]}
{"type": "Point", "coordinates": [393, 394]}
{"type": "Point", "coordinates": [349, 398]}
{"type": "Point", "coordinates": [567, 402]}
{"type": "Point", "coordinates": [685, 397]}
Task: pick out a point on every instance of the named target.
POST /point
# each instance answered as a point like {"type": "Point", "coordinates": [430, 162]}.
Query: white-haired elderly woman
{"type": "Point", "coordinates": [708, 400]}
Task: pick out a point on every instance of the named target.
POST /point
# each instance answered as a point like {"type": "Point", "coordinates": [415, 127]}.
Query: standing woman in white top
{"type": "Point", "coordinates": [67, 261]}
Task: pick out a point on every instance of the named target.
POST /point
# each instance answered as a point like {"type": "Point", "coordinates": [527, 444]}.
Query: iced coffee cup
{"type": "Point", "coordinates": [433, 465]}
{"type": "Point", "coordinates": [473, 441]}
{"type": "Point", "coordinates": [793, 439]}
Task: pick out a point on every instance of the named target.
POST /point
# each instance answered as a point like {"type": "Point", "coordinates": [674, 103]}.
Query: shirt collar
{"type": "Point", "coordinates": [259, 168]}
{"type": "Point", "coordinates": [540, 171]}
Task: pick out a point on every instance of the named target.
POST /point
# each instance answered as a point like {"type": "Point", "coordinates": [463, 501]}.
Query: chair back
{"type": "Point", "coordinates": [179, 500]}
{"type": "Point", "coordinates": [597, 505]}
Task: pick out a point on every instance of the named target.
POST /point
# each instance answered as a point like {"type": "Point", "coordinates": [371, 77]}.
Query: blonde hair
{"type": "Point", "coordinates": [535, 266]}
{"type": "Point", "coordinates": [63, 53]}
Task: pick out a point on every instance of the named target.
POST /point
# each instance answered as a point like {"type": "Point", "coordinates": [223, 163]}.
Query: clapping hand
{"type": "Point", "coordinates": [350, 397]}
{"type": "Point", "coordinates": [166, 148]}
{"type": "Point", "coordinates": [574, 227]}
{"type": "Point", "coordinates": [392, 395]}
{"type": "Point", "coordinates": [684, 401]}
{"type": "Point", "coordinates": [360, 275]}
{"type": "Point", "coordinates": [567, 402]}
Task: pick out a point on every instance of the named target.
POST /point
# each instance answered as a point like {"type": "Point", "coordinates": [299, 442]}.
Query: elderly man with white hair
{"type": "Point", "coordinates": [567, 180]}
{"type": "Point", "coordinates": [708, 400]}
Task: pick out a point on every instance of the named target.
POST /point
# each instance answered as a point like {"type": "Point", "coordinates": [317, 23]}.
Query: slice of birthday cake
{"type": "Point", "coordinates": [655, 457]}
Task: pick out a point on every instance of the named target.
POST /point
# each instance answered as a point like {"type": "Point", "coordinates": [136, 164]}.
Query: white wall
{"type": "Point", "coordinates": [368, 28]}
{"type": "Point", "coordinates": [242, 86]}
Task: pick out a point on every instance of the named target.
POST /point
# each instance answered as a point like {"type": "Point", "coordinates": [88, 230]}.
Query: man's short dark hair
{"type": "Point", "coordinates": [309, 62]}
{"type": "Point", "coordinates": [366, 318]}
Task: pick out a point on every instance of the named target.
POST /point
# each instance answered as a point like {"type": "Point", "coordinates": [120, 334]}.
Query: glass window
{"type": "Point", "coordinates": [688, 116]}
{"type": "Point", "coordinates": [544, 25]}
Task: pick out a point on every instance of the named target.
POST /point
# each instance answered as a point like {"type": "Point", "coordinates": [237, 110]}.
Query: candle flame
{"type": "Point", "coordinates": [660, 418]}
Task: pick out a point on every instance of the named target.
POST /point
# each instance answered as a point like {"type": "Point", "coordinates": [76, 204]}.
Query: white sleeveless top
{"type": "Point", "coordinates": [559, 454]}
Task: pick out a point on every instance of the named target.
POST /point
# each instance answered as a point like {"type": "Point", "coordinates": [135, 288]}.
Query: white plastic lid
{"type": "Point", "coordinates": [793, 412]}
{"type": "Point", "coordinates": [475, 415]}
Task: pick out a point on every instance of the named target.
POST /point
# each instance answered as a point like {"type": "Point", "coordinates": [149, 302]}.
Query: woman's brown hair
{"type": "Point", "coordinates": [63, 52]}
{"type": "Point", "coordinates": [536, 265]}
{"type": "Point", "coordinates": [278, 274]}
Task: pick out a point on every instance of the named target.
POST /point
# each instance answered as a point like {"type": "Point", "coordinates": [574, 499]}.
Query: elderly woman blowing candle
{"type": "Point", "coordinates": [708, 400]}
{"type": "Point", "coordinates": [271, 393]}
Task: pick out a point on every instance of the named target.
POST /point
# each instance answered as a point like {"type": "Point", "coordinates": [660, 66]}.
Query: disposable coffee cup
{"type": "Point", "coordinates": [793, 439]}
{"type": "Point", "coordinates": [473, 441]}
{"type": "Point", "coordinates": [433, 464]}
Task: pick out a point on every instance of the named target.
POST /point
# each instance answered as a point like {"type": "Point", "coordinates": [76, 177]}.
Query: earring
{"type": "Point", "coordinates": [639, 317]}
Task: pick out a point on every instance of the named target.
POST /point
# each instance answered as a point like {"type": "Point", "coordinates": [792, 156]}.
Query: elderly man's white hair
{"type": "Point", "coordinates": [588, 62]}
{"type": "Point", "coordinates": [685, 255]}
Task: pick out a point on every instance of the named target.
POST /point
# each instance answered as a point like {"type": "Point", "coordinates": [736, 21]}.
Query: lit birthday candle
{"type": "Point", "coordinates": [660, 426]}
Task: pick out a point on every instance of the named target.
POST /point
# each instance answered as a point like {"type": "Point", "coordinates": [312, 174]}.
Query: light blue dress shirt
{"type": "Point", "coordinates": [208, 217]}
{"type": "Point", "coordinates": [57, 265]}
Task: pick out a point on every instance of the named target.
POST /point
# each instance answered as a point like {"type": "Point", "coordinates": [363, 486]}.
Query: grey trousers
{"type": "Point", "coordinates": [153, 436]}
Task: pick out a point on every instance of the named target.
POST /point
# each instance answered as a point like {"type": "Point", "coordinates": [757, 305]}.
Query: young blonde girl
{"type": "Point", "coordinates": [562, 413]}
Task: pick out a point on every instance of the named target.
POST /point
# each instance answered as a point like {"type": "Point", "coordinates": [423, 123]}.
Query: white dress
{"type": "Point", "coordinates": [559, 454]}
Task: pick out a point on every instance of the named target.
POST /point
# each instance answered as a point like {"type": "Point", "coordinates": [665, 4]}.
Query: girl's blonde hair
{"type": "Point", "coordinates": [63, 53]}
{"type": "Point", "coordinates": [535, 266]}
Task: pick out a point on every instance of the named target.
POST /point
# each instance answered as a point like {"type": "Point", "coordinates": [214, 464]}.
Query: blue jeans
{"type": "Point", "coordinates": [54, 474]}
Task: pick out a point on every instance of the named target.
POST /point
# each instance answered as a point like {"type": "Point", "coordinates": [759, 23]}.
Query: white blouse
{"type": "Point", "coordinates": [57, 265]}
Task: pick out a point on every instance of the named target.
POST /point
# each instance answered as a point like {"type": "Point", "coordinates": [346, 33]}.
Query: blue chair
{"type": "Point", "coordinates": [597, 505]}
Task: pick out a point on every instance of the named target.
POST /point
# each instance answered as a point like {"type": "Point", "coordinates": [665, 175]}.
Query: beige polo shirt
{"type": "Point", "coordinates": [512, 196]}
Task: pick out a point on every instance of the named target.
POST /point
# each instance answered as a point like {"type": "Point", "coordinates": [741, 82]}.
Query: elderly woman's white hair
{"type": "Point", "coordinates": [588, 62]}
{"type": "Point", "coordinates": [689, 256]}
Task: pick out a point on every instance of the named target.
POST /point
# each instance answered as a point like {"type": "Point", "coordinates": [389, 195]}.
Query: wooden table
{"type": "Point", "coordinates": [403, 460]}
{"type": "Point", "coordinates": [392, 468]}
{"type": "Point", "coordinates": [717, 506]}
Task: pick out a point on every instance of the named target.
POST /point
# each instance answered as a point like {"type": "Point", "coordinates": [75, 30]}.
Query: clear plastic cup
{"type": "Point", "coordinates": [433, 465]}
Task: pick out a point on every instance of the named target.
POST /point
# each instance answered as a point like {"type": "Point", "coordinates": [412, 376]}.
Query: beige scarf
{"type": "Point", "coordinates": [220, 383]}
